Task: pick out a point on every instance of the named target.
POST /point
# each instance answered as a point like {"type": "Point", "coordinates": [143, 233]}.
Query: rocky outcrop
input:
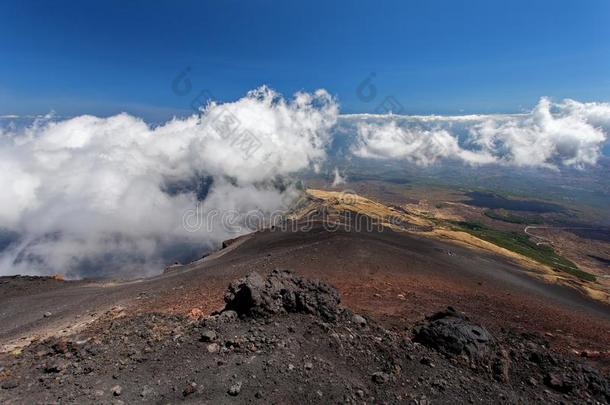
{"type": "Point", "coordinates": [281, 292]}
{"type": "Point", "coordinates": [452, 333]}
{"type": "Point", "coordinates": [275, 343]}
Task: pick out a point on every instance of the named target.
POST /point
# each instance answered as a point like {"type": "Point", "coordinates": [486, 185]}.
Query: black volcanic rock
{"type": "Point", "coordinates": [283, 350]}
{"type": "Point", "coordinates": [281, 292]}
{"type": "Point", "coordinates": [452, 333]}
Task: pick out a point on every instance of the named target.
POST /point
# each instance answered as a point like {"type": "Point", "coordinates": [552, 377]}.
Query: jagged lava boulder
{"type": "Point", "coordinates": [281, 292]}
{"type": "Point", "coordinates": [452, 333]}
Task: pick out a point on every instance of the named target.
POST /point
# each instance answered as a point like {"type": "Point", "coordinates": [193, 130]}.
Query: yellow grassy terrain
{"type": "Point", "coordinates": [336, 202]}
{"type": "Point", "coordinates": [413, 220]}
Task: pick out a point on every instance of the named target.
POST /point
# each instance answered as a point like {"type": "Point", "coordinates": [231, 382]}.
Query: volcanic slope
{"type": "Point", "coordinates": [396, 274]}
{"type": "Point", "coordinates": [282, 338]}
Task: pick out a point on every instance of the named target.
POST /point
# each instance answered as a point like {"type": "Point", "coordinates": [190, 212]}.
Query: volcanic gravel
{"type": "Point", "coordinates": [285, 339]}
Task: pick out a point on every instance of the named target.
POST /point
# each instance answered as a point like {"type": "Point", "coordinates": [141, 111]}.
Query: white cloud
{"type": "Point", "coordinates": [338, 179]}
{"type": "Point", "coordinates": [416, 145]}
{"type": "Point", "coordinates": [109, 195]}
{"type": "Point", "coordinates": [87, 189]}
{"type": "Point", "coordinates": [551, 135]}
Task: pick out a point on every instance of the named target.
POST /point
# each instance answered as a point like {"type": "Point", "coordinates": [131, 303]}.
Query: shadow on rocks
{"type": "Point", "coordinates": [452, 333]}
{"type": "Point", "coordinates": [281, 292]}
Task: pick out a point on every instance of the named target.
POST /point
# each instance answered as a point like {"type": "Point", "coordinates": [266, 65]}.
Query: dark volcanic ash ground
{"type": "Point", "coordinates": [285, 339]}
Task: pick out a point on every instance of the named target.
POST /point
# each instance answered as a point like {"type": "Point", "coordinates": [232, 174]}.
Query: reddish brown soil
{"type": "Point", "coordinates": [395, 278]}
{"type": "Point", "coordinates": [398, 279]}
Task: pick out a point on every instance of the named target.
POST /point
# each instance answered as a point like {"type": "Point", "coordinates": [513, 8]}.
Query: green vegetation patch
{"type": "Point", "coordinates": [521, 243]}
{"type": "Point", "coordinates": [583, 275]}
{"type": "Point", "coordinates": [506, 216]}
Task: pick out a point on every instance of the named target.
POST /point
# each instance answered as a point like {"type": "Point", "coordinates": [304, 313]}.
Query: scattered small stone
{"type": "Point", "coordinates": [380, 377]}
{"type": "Point", "coordinates": [422, 400]}
{"type": "Point", "coordinates": [228, 316]}
{"type": "Point", "coordinates": [116, 390]}
{"type": "Point", "coordinates": [558, 382]}
{"type": "Point", "coordinates": [308, 365]}
{"type": "Point", "coordinates": [290, 367]}
{"type": "Point", "coordinates": [146, 391]}
{"type": "Point", "coordinates": [208, 336]}
{"type": "Point", "coordinates": [536, 357]}
{"type": "Point", "coordinates": [427, 361]}
{"type": "Point", "coordinates": [189, 389]}
{"type": "Point", "coordinates": [359, 320]}
{"type": "Point", "coordinates": [195, 313]}
{"type": "Point", "coordinates": [440, 383]}
{"type": "Point", "coordinates": [213, 348]}
{"type": "Point", "coordinates": [47, 314]}
{"type": "Point", "coordinates": [235, 389]}
{"type": "Point", "coordinates": [54, 367]}
{"type": "Point", "coordinates": [9, 385]}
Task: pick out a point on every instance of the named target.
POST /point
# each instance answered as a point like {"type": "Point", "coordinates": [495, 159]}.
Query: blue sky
{"type": "Point", "coordinates": [446, 57]}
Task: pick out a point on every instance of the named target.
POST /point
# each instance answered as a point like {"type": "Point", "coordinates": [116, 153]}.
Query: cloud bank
{"type": "Point", "coordinates": [91, 196]}
{"type": "Point", "coordinates": [107, 196]}
{"type": "Point", "coordinates": [417, 145]}
{"type": "Point", "coordinates": [552, 135]}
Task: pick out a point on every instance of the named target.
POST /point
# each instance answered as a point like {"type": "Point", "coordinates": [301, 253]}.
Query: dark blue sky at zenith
{"type": "Point", "coordinates": [435, 57]}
